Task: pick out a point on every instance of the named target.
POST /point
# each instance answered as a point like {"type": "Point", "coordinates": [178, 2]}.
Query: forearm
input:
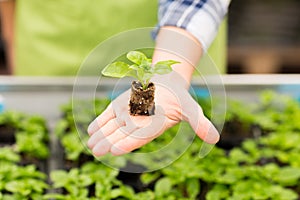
{"type": "Point", "coordinates": [173, 43]}
{"type": "Point", "coordinates": [186, 28]}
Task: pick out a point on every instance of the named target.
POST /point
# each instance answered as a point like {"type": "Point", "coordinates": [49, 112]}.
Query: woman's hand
{"type": "Point", "coordinates": [117, 132]}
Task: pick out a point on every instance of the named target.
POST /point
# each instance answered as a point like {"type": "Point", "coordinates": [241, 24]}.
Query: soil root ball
{"type": "Point", "coordinates": [142, 100]}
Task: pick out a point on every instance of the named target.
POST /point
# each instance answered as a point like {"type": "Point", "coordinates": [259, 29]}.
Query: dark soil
{"type": "Point", "coordinates": [41, 164]}
{"type": "Point", "coordinates": [131, 178]}
{"type": "Point", "coordinates": [234, 133]}
{"type": "Point", "coordinates": [7, 135]}
{"type": "Point", "coordinates": [142, 101]}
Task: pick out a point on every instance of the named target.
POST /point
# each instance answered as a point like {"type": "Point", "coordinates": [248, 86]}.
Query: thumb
{"type": "Point", "coordinates": [193, 114]}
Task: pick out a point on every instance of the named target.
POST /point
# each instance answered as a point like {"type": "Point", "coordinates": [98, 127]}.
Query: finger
{"type": "Point", "coordinates": [207, 131]}
{"type": "Point", "coordinates": [110, 127]}
{"type": "Point", "coordinates": [201, 125]}
{"type": "Point", "coordinates": [101, 120]}
{"type": "Point", "coordinates": [139, 137]}
{"type": "Point", "coordinates": [104, 145]}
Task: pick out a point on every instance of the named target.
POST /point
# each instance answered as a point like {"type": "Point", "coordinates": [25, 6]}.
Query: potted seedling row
{"type": "Point", "coordinates": [19, 182]}
{"type": "Point", "coordinates": [71, 131]}
{"type": "Point", "coordinates": [8, 123]}
{"type": "Point", "coordinates": [27, 135]}
{"type": "Point", "coordinates": [23, 153]}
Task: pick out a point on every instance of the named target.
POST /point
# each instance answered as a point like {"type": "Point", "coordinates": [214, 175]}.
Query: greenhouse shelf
{"type": "Point", "coordinates": [44, 95]}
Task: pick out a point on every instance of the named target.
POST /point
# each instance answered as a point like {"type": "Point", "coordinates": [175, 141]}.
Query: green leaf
{"type": "Point", "coordinates": [7, 154]}
{"type": "Point", "coordinates": [18, 186]}
{"type": "Point", "coordinates": [27, 171]}
{"type": "Point", "coordinates": [218, 192]}
{"type": "Point", "coordinates": [114, 193]}
{"type": "Point", "coordinates": [140, 74]}
{"type": "Point", "coordinates": [61, 127]}
{"type": "Point", "coordinates": [132, 73]}
{"type": "Point", "coordinates": [146, 67]}
{"type": "Point", "coordinates": [116, 69]}
{"type": "Point", "coordinates": [123, 191]}
{"type": "Point", "coordinates": [136, 57]}
{"type": "Point", "coordinates": [99, 189]}
{"type": "Point", "coordinates": [85, 180]}
{"type": "Point", "coordinates": [193, 187]}
{"type": "Point", "coordinates": [269, 170]}
{"type": "Point", "coordinates": [237, 156]}
{"type": "Point", "coordinates": [279, 193]}
{"type": "Point", "coordinates": [163, 187]}
{"type": "Point", "coordinates": [59, 177]}
{"type": "Point", "coordinates": [287, 176]}
{"type": "Point", "coordinates": [167, 62]}
{"type": "Point", "coordinates": [147, 178]}
{"type": "Point", "coordinates": [73, 145]}
{"type": "Point", "coordinates": [10, 197]}
{"type": "Point", "coordinates": [72, 189]}
{"type": "Point", "coordinates": [231, 176]}
{"type": "Point", "coordinates": [162, 69]}
{"type": "Point", "coordinates": [149, 195]}
{"type": "Point", "coordinates": [147, 77]}
{"type": "Point", "coordinates": [54, 196]}
{"type": "Point", "coordinates": [134, 67]}
{"type": "Point", "coordinates": [37, 185]}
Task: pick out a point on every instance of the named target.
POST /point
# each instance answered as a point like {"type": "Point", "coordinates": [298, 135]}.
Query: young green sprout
{"type": "Point", "coordinates": [141, 68]}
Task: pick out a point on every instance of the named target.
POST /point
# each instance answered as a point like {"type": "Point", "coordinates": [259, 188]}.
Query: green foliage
{"type": "Point", "coordinates": [11, 118]}
{"type": "Point", "coordinates": [71, 129]}
{"type": "Point", "coordinates": [141, 68]}
{"type": "Point", "coordinates": [73, 146]}
{"type": "Point", "coordinates": [277, 111]}
{"type": "Point", "coordinates": [7, 154]}
{"type": "Point", "coordinates": [163, 187]}
{"type": "Point", "coordinates": [32, 144]}
{"type": "Point", "coordinates": [266, 167]}
{"type": "Point", "coordinates": [218, 191]}
{"type": "Point", "coordinates": [74, 183]}
{"type": "Point", "coordinates": [94, 176]}
{"type": "Point", "coordinates": [30, 133]}
{"type": "Point", "coordinates": [21, 182]}
{"type": "Point", "coordinates": [269, 165]}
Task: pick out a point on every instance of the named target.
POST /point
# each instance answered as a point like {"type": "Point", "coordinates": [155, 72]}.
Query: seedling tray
{"type": "Point", "coordinates": [45, 95]}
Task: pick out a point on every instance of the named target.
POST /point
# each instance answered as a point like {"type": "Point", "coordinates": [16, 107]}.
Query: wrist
{"type": "Point", "coordinates": [173, 43]}
{"type": "Point", "coordinates": [173, 79]}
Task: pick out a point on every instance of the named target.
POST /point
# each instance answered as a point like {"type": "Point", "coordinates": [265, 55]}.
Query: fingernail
{"type": "Point", "coordinates": [92, 128]}
{"type": "Point", "coordinates": [213, 135]}
{"type": "Point", "coordinates": [90, 143]}
{"type": "Point", "coordinates": [116, 151]}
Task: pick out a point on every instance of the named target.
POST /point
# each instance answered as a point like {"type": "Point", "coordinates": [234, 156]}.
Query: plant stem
{"type": "Point", "coordinates": [145, 84]}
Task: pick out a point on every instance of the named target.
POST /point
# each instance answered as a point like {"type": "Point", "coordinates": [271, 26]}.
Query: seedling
{"type": "Point", "coordinates": [142, 90]}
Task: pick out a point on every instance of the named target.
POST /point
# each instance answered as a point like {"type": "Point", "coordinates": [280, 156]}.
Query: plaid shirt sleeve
{"type": "Point", "coordinates": [201, 18]}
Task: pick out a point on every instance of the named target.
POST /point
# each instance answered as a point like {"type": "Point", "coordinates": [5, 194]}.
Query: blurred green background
{"type": "Point", "coordinates": [55, 37]}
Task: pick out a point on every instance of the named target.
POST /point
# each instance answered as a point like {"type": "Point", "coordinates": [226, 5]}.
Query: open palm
{"type": "Point", "coordinates": [117, 132]}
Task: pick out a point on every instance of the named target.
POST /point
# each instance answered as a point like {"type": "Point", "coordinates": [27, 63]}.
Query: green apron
{"type": "Point", "coordinates": [54, 37]}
